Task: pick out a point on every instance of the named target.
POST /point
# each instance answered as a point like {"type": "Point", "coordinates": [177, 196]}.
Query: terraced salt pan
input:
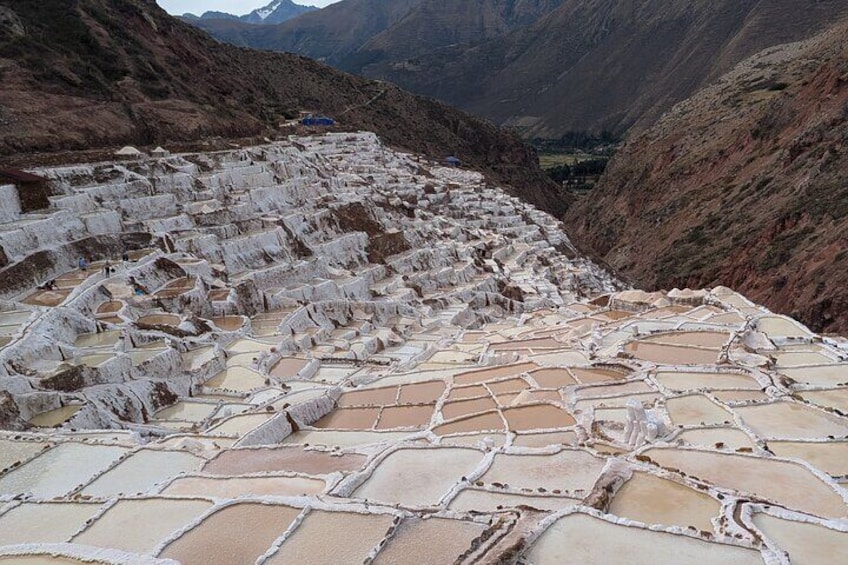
{"type": "Point", "coordinates": [453, 410]}
{"type": "Point", "coordinates": [404, 417]}
{"type": "Point", "coordinates": [553, 378]}
{"type": "Point", "coordinates": [724, 438]}
{"type": "Point", "coordinates": [801, 359]}
{"type": "Point", "coordinates": [353, 537]}
{"type": "Point", "coordinates": [710, 340]}
{"type": "Point", "coordinates": [560, 359]}
{"type": "Point", "coordinates": [349, 419]}
{"type": "Point", "coordinates": [234, 487]}
{"type": "Point", "coordinates": [141, 471]}
{"type": "Point", "coordinates": [537, 417]}
{"type": "Point", "coordinates": [775, 326]}
{"type": "Point", "coordinates": [682, 381]}
{"type": "Point", "coordinates": [229, 323]}
{"type": "Point", "coordinates": [294, 459]}
{"type": "Point", "coordinates": [836, 398]}
{"type": "Point", "coordinates": [483, 375]}
{"type": "Point", "coordinates": [78, 462]}
{"type": "Point", "coordinates": [672, 354]}
{"type": "Point", "coordinates": [545, 439]}
{"type": "Point", "coordinates": [486, 501]}
{"type": "Point", "coordinates": [820, 375]}
{"type": "Point", "coordinates": [418, 477]}
{"type": "Point", "coordinates": [12, 452]}
{"type": "Point", "coordinates": [830, 457]}
{"type": "Point", "coordinates": [434, 540]}
{"type": "Point", "coordinates": [53, 522]}
{"type": "Point", "coordinates": [369, 397]}
{"type": "Point", "coordinates": [235, 534]}
{"type": "Point", "coordinates": [240, 425]}
{"type": "Point", "coordinates": [786, 483]}
{"type": "Point", "coordinates": [600, 391]}
{"type": "Point", "coordinates": [652, 500]}
{"type": "Point", "coordinates": [96, 360]}
{"type": "Point", "coordinates": [792, 420]}
{"type": "Point", "coordinates": [57, 417]}
{"type": "Point", "coordinates": [248, 346]}
{"type": "Point", "coordinates": [102, 339]}
{"type": "Point", "coordinates": [487, 422]}
{"type": "Point", "coordinates": [240, 379]}
{"type": "Point", "coordinates": [288, 367]}
{"type": "Point", "coordinates": [160, 320]}
{"type": "Point", "coordinates": [139, 526]}
{"type": "Point", "coordinates": [807, 544]}
{"type": "Point", "coordinates": [696, 410]}
{"type": "Point", "coordinates": [568, 470]}
{"type": "Point", "coordinates": [579, 538]}
{"type": "Point", "coordinates": [186, 410]}
{"type": "Point", "coordinates": [424, 392]}
{"type": "Point", "coordinates": [737, 396]}
{"type": "Point", "coordinates": [590, 375]}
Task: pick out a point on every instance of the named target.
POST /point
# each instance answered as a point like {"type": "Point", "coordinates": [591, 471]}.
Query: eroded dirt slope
{"type": "Point", "coordinates": [745, 184]}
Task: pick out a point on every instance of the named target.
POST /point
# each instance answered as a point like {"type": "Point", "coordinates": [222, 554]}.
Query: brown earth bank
{"type": "Point", "coordinates": [84, 74]}
{"type": "Point", "coordinates": [745, 185]}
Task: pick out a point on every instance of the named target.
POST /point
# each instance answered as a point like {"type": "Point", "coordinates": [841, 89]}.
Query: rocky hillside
{"type": "Point", "coordinates": [94, 73]}
{"type": "Point", "coordinates": [745, 184]}
{"type": "Point", "coordinates": [549, 67]}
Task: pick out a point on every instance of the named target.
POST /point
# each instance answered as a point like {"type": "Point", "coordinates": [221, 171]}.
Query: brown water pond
{"type": "Point", "coordinates": [235, 534]}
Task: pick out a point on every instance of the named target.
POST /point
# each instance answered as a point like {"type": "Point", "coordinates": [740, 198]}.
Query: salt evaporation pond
{"type": "Point", "coordinates": [119, 527]}
{"type": "Point", "coordinates": [53, 522]}
{"type": "Point", "coordinates": [79, 463]}
{"type": "Point", "coordinates": [235, 534]}
{"type": "Point", "coordinates": [234, 487]}
{"type": "Point", "coordinates": [57, 417]}
{"type": "Point", "coordinates": [584, 540]}
{"type": "Point", "coordinates": [330, 538]}
{"type": "Point", "coordinates": [567, 470]}
{"type": "Point", "coordinates": [652, 500]}
{"type": "Point", "coordinates": [141, 471]}
{"type": "Point", "coordinates": [807, 544]}
{"type": "Point", "coordinates": [782, 482]}
{"type": "Point", "coordinates": [418, 477]}
{"type": "Point", "coordinates": [433, 540]}
{"type": "Point", "coordinates": [13, 452]}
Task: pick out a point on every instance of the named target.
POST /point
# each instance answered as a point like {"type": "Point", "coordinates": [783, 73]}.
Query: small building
{"type": "Point", "coordinates": [129, 152]}
{"type": "Point", "coordinates": [33, 190]}
{"type": "Point", "coordinates": [159, 152]}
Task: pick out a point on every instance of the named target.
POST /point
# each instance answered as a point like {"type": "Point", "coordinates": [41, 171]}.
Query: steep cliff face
{"type": "Point", "coordinates": [93, 73]}
{"type": "Point", "coordinates": [745, 184]}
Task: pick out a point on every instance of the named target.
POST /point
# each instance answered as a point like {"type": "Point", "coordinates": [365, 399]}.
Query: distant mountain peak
{"type": "Point", "coordinates": [276, 12]}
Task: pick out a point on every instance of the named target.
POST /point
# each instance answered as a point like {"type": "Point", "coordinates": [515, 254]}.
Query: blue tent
{"type": "Point", "coordinates": [318, 121]}
{"type": "Point", "coordinates": [453, 161]}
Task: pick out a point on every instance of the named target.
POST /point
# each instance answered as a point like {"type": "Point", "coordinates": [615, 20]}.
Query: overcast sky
{"type": "Point", "coordinates": [237, 7]}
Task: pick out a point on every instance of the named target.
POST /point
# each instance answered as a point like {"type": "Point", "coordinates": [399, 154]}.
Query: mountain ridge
{"type": "Point", "coordinates": [575, 65]}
